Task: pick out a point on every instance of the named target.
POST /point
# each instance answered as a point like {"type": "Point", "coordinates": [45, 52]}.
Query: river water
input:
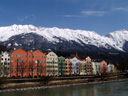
{"type": "Point", "coordinates": [103, 89]}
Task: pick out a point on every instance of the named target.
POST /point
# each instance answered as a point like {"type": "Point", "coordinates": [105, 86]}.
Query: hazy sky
{"type": "Point", "coordinates": [101, 16]}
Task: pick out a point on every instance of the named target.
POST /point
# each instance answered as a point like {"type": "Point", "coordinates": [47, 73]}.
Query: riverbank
{"type": "Point", "coordinates": [54, 85]}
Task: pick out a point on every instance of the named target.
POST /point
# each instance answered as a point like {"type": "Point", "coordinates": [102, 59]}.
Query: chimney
{"type": "Point", "coordinates": [31, 50]}
{"type": "Point", "coordinates": [14, 48]}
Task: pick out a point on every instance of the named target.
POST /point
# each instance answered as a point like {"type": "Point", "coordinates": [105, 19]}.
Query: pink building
{"type": "Point", "coordinates": [104, 67]}
{"type": "Point", "coordinates": [88, 66]}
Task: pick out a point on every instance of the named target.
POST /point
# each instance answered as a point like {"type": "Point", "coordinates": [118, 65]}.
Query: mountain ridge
{"type": "Point", "coordinates": [56, 36]}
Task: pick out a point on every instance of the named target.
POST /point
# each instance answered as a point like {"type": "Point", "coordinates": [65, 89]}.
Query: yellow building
{"type": "Point", "coordinates": [93, 68]}
{"type": "Point", "coordinates": [82, 67]}
{"type": "Point", "coordinates": [52, 64]}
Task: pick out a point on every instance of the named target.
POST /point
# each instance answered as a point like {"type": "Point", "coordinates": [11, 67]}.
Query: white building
{"type": "Point", "coordinates": [5, 61]}
{"type": "Point", "coordinates": [75, 66]}
{"type": "Point", "coordinates": [110, 68]}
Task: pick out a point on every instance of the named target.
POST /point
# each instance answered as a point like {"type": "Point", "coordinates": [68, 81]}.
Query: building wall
{"type": "Point", "coordinates": [27, 64]}
{"type": "Point", "coordinates": [75, 66]}
{"type": "Point", "coordinates": [37, 63]}
{"type": "Point", "coordinates": [82, 67]}
{"type": "Point", "coordinates": [18, 58]}
{"type": "Point", "coordinates": [5, 61]}
{"type": "Point", "coordinates": [52, 64]}
{"type": "Point", "coordinates": [104, 67]}
{"type": "Point", "coordinates": [110, 68]}
{"type": "Point", "coordinates": [113, 67]}
{"type": "Point", "coordinates": [93, 68]}
{"type": "Point", "coordinates": [88, 66]}
{"type": "Point", "coordinates": [61, 66]}
{"type": "Point", "coordinates": [68, 67]}
{"type": "Point", "coordinates": [98, 68]}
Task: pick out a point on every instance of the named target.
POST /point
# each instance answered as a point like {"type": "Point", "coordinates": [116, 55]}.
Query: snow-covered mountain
{"type": "Point", "coordinates": [29, 36]}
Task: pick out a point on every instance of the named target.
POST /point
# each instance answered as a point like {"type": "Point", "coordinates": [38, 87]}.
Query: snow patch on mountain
{"type": "Point", "coordinates": [54, 35]}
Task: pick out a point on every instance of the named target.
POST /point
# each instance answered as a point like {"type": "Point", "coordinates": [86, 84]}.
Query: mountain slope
{"type": "Point", "coordinates": [118, 39]}
{"type": "Point", "coordinates": [29, 36]}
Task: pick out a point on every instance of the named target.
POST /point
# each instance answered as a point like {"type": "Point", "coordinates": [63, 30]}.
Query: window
{"type": "Point", "coordinates": [29, 56]}
{"type": "Point", "coordinates": [11, 66]}
{"type": "Point", "coordinates": [12, 55]}
{"type": "Point", "coordinates": [39, 56]}
{"type": "Point", "coordinates": [19, 60]}
{"type": "Point", "coordinates": [25, 61]}
{"type": "Point", "coordinates": [29, 61]}
{"type": "Point", "coordinates": [18, 55]}
{"type": "Point", "coordinates": [15, 55]}
{"type": "Point", "coordinates": [11, 71]}
{"type": "Point", "coordinates": [22, 55]}
{"type": "Point", "coordinates": [11, 60]}
{"type": "Point", "coordinates": [25, 55]}
{"type": "Point", "coordinates": [42, 57]}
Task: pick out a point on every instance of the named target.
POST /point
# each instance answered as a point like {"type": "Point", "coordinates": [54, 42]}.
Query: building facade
{"type": "Point", "coordinates": [93, 68]}
{"type": "Point", "coordinates": [37, 63]}
{"type": "Point", "coordinates": [98, 68]}
{"type": "Point", "coordinates": [75, 66]}
{"type": "Point", "coordinates": [5, 61]}
{"type": "Point", "coordinates": [27, 64]}
{"type": "Point", "coordinates": [104, 67]}
{"type": "Point", "coordinates": [88, 66]}
{"type": "Point", "coordinates": [68, 66]}
{"type": "Point", "coordinates": [82, 67]}
{"type": "Point", "coordinates": [61, 66]}
{"type": "Point", "coordinates": [18, 63]}
{"type": "Point", "coordinates": [110, 68]}
{"type": "Point", "coordinates": [52, 64]}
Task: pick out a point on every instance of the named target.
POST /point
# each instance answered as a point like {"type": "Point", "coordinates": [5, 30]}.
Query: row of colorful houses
{"type": "Point", "coordinates": [21, 63]}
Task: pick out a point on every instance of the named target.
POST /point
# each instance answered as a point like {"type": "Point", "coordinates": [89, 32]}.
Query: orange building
{"type": "Point", "coordinates": [104, 67]}
{"type": "Point", "coordinates": [67, 66]}
{"type": "Point", "coordinates": [27, 64]}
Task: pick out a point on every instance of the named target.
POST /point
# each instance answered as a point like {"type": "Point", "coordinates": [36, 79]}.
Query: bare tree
{"type": "Point", "coordinates": [104, 70]}
{"type": "Point", "coordinates": [31, 67]}
{"type": "Point", "coordinates": [22, 68]}
{"type": "Point", "coordinates": [1, 70]}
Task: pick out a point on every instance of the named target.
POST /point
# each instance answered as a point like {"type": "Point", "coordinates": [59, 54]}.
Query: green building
{"type": "Point", "coordinates": [61, 66]}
